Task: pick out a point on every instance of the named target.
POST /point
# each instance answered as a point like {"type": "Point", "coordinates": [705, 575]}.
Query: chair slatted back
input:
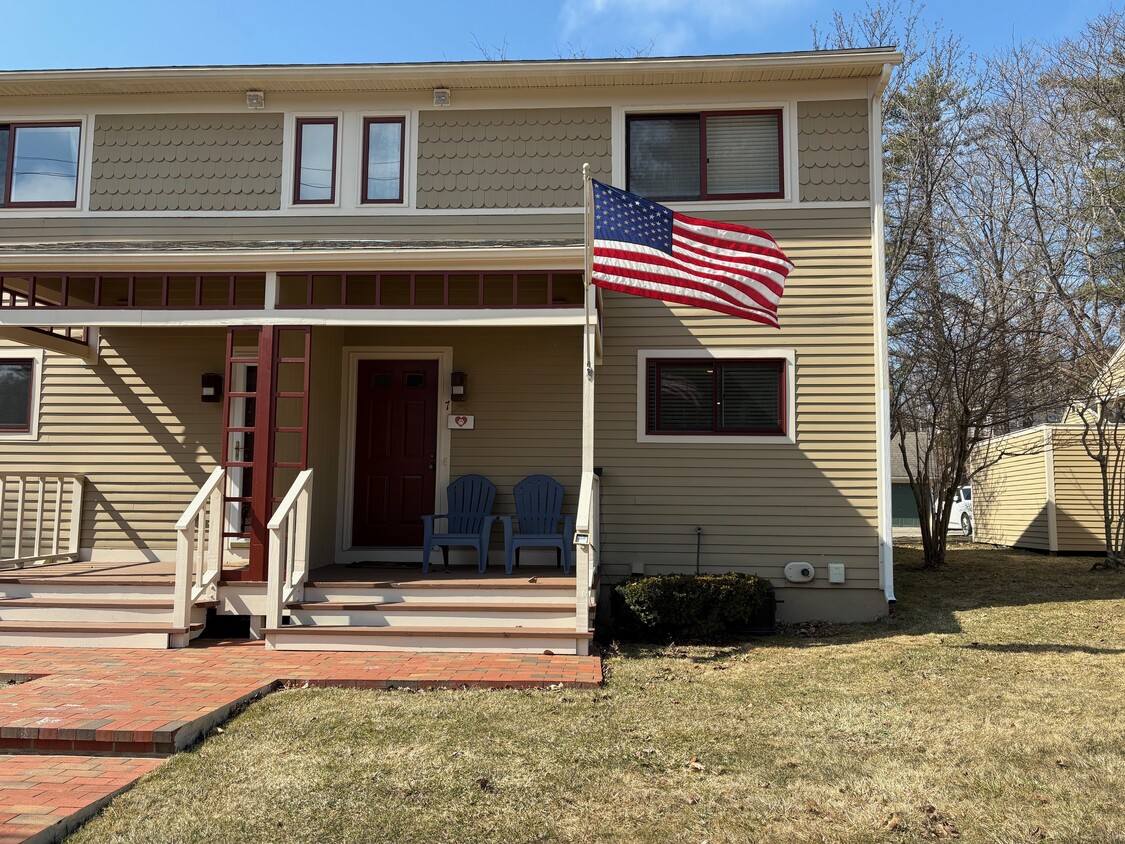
{"type": "Point", "coordinates": [539, 501]}
{"type": "Point", "coordinates": [470, 499]}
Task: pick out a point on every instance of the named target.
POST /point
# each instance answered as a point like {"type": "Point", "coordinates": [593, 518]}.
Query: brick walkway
{"type": "Point", "coordinates": [42, 798]}
{"type": "Point", "coordinates": [135, 703]}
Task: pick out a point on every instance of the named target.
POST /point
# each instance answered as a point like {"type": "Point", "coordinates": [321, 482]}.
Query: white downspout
{"type": "Point", "coordinates": [882, 361]}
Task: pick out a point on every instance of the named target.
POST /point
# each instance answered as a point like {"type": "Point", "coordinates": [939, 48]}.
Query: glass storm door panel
{"type": "Point", "coordinates": [395, 451]}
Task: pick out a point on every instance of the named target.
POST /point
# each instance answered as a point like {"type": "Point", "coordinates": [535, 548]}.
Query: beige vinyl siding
{"type": "Point", "coordinates": [135, 425]}
{"type": "Point", "coordinates": [833, 150]}
{"type": "Point", "coordinates": [510, 158]}
{"type": "Point", "coordinates": [1078, 493]}
{"type": "Point", "coordinates": [419, 227]}
{"type": "Point", "coordinates": [186, 162]}
{"type": "Point", "coordinates": [1010, 497]}
{"type": "Point", "coordinates": [760, 505]}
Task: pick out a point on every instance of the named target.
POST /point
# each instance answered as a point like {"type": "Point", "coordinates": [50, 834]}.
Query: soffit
{"type": "Point", "coordinates": [704, 70]}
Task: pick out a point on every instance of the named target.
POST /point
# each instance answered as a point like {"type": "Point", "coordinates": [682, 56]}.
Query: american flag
{"type": "Point", "coordinates": [645, 249]}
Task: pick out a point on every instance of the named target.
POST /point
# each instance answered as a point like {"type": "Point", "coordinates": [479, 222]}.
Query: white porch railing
{"type": "Point", "coordinates": [40, 517]}
{"type": "Point", "coordinates": [587, 547]}
{"type": "Point", "coordinates": [199, 549]}
{"type": "Point", "coordinates": [289, 549]}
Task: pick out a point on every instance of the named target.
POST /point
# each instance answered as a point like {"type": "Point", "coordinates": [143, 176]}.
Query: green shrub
{"type": "Point", "coordinates": [687, 607]}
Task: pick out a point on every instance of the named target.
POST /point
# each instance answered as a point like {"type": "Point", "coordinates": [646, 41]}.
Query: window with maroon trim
{"type": "Point", "coordinates": [709, 155]}
{"type": "Point", "coordinates": [39, 164]}
{"type": "Point", "coordinates": [314, 180]}
{"type": "Point", "coordinates": [716, 396]}
{"type": "Point", "coordinates": [16, 390]}
{"type": "Point", "coordinates": [383, 140]}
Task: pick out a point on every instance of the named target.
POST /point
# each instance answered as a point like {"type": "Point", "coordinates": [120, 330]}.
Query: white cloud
{"type": "Point", "coordinates": [670, 27]}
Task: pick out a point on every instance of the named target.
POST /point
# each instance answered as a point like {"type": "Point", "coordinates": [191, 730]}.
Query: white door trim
{"type": "Point", "coordinates": [352, 355]}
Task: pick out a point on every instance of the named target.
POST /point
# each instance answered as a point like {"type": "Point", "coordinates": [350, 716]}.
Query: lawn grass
{"type": "Point", "coordinates": [989, 709]}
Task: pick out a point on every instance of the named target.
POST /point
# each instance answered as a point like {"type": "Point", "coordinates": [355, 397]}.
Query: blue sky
{"type": "Point", "coordinates": [124, 33]}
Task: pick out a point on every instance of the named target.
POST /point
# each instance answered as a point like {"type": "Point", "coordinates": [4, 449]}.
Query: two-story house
{"type": "Point", "coordinates": [256, 319]}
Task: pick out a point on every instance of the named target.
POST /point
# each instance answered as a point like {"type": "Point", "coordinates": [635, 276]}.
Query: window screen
{"type": "Point", "coordinates": [664, 156]}
{"type": "Point", "coordinates": [316, 161]}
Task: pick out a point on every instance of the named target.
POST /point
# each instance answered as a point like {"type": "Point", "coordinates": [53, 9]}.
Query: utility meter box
{"type": "Point", "coordinates": [799, 572]}
{"type": "Point", "coordinates": [835, 572]}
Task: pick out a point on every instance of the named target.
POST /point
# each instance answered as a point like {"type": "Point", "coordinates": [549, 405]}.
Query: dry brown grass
{"type": "Point", "coordinates": [991, 709]}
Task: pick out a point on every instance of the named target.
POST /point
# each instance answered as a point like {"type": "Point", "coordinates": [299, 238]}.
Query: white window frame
{"type": "Point", "coordinates": [723, 353]}
{"type": "Point", "coordinates": [85, 154]}
{"type": "Point", "coordinates": [36, 356]}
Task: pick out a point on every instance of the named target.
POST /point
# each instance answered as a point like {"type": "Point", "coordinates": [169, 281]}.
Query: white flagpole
{"type": "Point", "coordinates": [587, 329]}
{"type": "Point", "coordinates": [588, 220]}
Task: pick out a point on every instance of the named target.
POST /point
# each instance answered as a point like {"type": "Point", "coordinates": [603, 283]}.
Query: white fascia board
{"type": "Point", "coordinates": [409, 317]}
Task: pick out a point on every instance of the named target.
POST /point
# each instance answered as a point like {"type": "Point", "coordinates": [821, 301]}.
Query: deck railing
{"type": "Point", "coordinates": [199, 549]}
{"type": "Point", "coordinates": [587, 546]}
{"type": "Point", "coordinates": [289, 549]}
{"type": "Point", "coordinates": [40, 517]}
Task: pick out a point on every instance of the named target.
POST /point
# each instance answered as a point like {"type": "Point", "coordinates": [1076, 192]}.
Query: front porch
{"type": "Point", "coordinates": [328, 442]}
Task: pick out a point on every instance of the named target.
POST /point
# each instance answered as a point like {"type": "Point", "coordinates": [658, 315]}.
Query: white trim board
{"type": "Point", "coordinates": [352, 355]}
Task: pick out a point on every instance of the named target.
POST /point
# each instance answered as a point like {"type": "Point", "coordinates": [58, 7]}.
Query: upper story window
{"type": "Point", "coordinates": [15, 395]}
{"type": "Point", "coordinates": [383, 139]}
{"type": "Point", "coordinates": [709, 155]}
{"type": "Point", "coordinates": [39, 164]}
{"type": "Point", "coordinates": [315, 178]}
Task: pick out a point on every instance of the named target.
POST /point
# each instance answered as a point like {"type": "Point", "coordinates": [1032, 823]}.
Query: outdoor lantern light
{"type": "Point", "coordinates": [441, 96]}
{"type": "Point", "coordinates": [255, 99]}
{"type": "Point", "coordinates": [459, 386]}
{"type": "Point", "coordinates": [212, 384]}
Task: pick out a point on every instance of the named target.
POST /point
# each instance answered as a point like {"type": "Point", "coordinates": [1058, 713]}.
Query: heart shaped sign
{"type": "Point", "coordinates": [461, 421]}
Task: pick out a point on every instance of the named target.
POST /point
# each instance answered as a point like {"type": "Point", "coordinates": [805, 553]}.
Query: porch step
{"type": "Point", "coordinates": [66, 609]}
{"type": "Point", "coordinates": [465, 613]}
{"type": "Point", "coordinates": [513, 639]}
{"type": "Point", "coordinates": [93, 634]}
{"type": "Point", "coordinates": [89, 586]}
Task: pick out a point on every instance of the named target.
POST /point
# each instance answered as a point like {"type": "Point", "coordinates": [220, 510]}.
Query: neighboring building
{"type": "Point", "coordinates": [253, 272]}
{"type": "Point", "coordinates": [904, 508]}
{"type": "Point", "coordinates": [1043, 493]}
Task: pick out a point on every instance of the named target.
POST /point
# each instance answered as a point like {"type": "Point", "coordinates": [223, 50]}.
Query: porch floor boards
{"type": "Point", "coordinates": [106, 573]}
{"type": "Point", "coordinates": [525, 577]}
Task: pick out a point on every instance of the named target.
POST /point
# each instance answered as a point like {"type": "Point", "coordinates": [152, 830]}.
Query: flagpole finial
{"type": "Point", "coordinates": [586, 171]}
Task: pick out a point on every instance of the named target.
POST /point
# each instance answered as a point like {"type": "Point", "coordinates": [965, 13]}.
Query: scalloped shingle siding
{"type": "Point", "coordinates": [186, 162]}
{"type": "Point", "coordinates": [832, 150]}
{"type": "Point", "coordinates": [510, 158]}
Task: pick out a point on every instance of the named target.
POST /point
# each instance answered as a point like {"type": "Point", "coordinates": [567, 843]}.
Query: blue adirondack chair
{"type": "Point", "coordinates": [469, 520]}
{"type": "Point", "coordinates": [539, 500]}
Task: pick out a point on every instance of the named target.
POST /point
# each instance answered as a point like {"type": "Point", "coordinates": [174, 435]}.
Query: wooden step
{"type": "Point", "coordinates": [460, 583]}
{"type": "Point", "coordinates": [93, 627]}
{"type": "Point", "coordinates": [431, 606]}
{"type": "Point", "coordinates": [90, 603]}
{"type": "Point", "coordinates": [94, 634]}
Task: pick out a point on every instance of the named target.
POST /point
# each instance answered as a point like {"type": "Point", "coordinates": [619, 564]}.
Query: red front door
{"type": "Point", "coordinates": [395, 451]}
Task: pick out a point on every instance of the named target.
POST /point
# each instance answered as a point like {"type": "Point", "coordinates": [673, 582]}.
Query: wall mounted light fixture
{"type": "Point", "coordinates": [211, 384]}
{"type": "Point", "coordinates": [255, 99]}
{"type": "Point", "coordinates": [458, 386]}
{"type": "Point", "coordinates": [441, 96]}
